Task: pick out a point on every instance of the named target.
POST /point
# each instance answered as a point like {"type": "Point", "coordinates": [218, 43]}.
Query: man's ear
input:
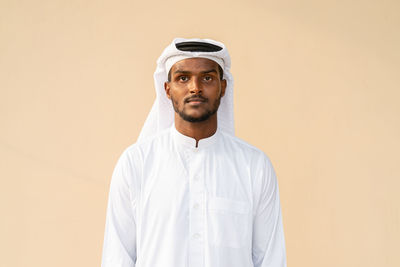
{"type": "Point", "coordinates": [223, 87]}
{"type": "Point", "coordinates": [166, 88]}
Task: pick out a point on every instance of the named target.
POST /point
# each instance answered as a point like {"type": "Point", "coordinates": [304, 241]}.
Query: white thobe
{"type": "Point", "coordinates": [172, 204]}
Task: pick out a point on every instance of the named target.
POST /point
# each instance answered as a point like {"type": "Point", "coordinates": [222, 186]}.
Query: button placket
{"type": "Point", "coordinates": [197, 214]}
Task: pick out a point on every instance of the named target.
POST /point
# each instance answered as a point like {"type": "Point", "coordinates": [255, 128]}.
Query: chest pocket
{"type": "Point", "coordinates": [228, 222]}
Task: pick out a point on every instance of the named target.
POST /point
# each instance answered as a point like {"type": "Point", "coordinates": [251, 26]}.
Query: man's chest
{"type": "Point", "coordinates": [170, 179]}
{"type": "Point", "coordinates": [211, 193]}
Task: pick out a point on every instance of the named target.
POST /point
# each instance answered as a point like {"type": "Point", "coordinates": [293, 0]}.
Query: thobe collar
{"type": "Point", "coordinates": [190, 142]}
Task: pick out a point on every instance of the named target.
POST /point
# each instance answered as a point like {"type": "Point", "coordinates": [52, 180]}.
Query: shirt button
{"type": "Point", "coordinates": [196, 236]}
{"type": "Point", "coordinates": [196, 206]}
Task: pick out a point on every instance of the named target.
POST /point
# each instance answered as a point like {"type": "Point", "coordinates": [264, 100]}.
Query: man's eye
{"type": "Point", "coordinates": [208, 78]}
{"type": "Point", "coordinates": [183, 78]}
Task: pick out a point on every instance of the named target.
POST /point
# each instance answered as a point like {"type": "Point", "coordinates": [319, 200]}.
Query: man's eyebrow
{"type": "Point", "coordinates": [208, 71]}
{"type": "Point", "coordinates": [181, 71]}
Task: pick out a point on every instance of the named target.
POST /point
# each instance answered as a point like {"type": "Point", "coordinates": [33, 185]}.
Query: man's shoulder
{"type": "Point", "coordinates": [242, 145]}
{"type": "Point", "coordinates": [148, 142]}
{"type": "Point", "coordinates": [249, 154]}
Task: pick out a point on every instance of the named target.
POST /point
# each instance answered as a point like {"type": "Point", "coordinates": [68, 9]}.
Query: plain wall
{"type": "Point", "coordinates": [316, 88]}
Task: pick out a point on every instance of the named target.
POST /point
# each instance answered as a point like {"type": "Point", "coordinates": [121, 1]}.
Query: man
{"type": "Point", "coordinates": [189, 193]}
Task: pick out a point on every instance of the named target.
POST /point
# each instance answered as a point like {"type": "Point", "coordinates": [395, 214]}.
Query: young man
{"type": "Point", "coordinates": [189, 193]}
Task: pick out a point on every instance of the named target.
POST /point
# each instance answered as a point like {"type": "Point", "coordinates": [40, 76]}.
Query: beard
{"type": "Point", "coordinates": [203, 117]}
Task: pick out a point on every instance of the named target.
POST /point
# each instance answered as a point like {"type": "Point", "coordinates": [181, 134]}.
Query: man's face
{"type": "Point", "coordinates": [195, 88]}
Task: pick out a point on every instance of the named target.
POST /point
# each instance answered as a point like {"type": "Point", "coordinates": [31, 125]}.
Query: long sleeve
{"type": "Point", "coordinates": [268, 248]}
{"type": "Point", "coordinates": [119, 248]}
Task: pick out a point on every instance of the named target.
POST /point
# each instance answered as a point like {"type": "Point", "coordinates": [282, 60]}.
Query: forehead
{"type": "Point", "coordinates": [195, 64]}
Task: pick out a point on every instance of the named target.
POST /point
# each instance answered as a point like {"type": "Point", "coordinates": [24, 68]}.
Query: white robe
{"type": "Point", "coordinates": [174, 205]}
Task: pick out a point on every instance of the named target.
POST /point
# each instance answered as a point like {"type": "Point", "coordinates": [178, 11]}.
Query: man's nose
{"type": "Point", "coordinates": [195, 86]}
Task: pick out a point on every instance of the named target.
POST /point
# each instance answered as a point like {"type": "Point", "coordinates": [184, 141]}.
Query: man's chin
{"type": "Point", "coordinates": [194, 117]}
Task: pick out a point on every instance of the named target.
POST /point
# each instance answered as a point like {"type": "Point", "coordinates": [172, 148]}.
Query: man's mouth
{"type": "Point", "coordinates": [195, 100]}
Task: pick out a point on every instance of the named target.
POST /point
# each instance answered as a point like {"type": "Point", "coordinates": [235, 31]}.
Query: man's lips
{"type": "Point", "coordinates": [195, 100]}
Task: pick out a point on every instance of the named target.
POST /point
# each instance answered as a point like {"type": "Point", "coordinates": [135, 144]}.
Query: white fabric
{"type": "Point", "coordinates": [174, 205]}
{"type": "Point", "coordinates": [161, 115]}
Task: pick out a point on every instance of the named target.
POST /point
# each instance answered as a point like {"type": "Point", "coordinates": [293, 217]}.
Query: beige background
{"type": "Point", "coordinates": [317, 88]}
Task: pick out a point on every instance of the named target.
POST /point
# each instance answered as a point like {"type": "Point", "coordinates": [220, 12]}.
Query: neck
{"type": "Point", "coordinates": [196, 130]}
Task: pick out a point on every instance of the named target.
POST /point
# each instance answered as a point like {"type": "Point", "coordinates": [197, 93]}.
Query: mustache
{"type": "Point", "coordinates": [195, 98]}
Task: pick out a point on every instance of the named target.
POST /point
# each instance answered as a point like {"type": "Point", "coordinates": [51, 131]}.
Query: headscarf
{"type": "Point", "coordinates": [161, 115]}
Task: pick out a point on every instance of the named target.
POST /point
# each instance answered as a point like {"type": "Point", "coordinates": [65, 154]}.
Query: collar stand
{"type": "Point", "coordinates": [190, 142]}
